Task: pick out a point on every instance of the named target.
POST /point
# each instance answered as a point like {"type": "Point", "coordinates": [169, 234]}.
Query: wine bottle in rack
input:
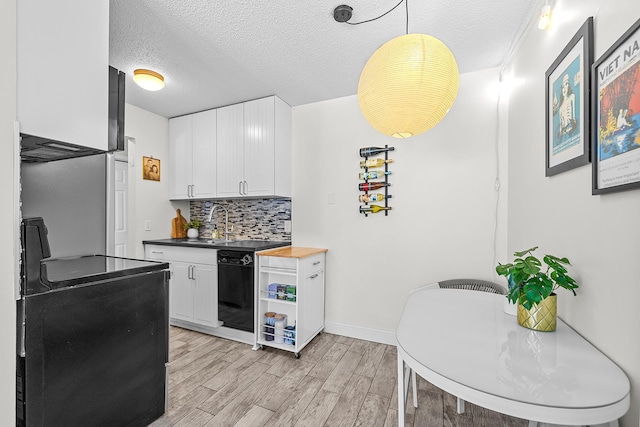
{"type": "Point", "coordinates": [372, 151]}
{"type": "Point", "coordinates": [377, 174]}
{"type": "Point", "coordinates": [373, 197]}
{"type": "Point", "coordinates": [370, 186]}
{"type": "Point", "coordinates": [373, 209]}
{"type": "Point", "coordinates": [374, 163]}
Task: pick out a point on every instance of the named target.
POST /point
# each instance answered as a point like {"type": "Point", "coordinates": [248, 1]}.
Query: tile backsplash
{"type": "Point", "coordinates": [251, 219]}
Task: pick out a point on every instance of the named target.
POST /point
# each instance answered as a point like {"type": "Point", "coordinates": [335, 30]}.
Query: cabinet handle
{"type": "Point", "coordinates": [313, 276]}
{"type": "Point", "coordinates": [246, 188]}
{"type": "Point", "coordinates": [193, 190]}
{"type": "Point", "coordinates": [157, 252]}
{"type": "Point", "coordinates": [316, 263]}
{"type": "Point", "coordinates": [240, 187]}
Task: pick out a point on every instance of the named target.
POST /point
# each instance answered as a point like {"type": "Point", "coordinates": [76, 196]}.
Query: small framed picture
{"type": "Point", "coordinates": [150, 168]}
{"type": "Point", "coordinates": [568, 105]}
{"type": "Point", "coordinates": [616, 115]}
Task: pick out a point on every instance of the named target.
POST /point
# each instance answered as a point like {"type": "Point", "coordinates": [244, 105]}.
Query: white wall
{"type": "Point", "coordinates": [149, 200]}
{"type": "Point", "coordinates": [599, 234]}
{"type": "Point", "coordinates": [444, 205]}
{"type": "Point", "coordinates": [7, 170]}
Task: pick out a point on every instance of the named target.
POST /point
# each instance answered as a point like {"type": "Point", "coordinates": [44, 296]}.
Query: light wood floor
{"type": "Point", "coordinates": [338, 381]}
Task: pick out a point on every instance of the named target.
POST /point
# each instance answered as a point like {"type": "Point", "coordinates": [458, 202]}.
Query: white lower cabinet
{"type": "Point", "coordinates": [193, 288]}
{"type": "Point", "coordinates": [291, 282]}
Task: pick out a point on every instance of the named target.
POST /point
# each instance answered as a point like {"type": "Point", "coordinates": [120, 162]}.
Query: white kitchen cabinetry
{"type": "Point", "coordinates": [63, 69]}
{"type": "Point", "coordinates": [304, 269]}
{"type": "Point", "coordinates": [254, 149]}
{"type": "Point", "coordinates": [192, 156]}
{"type": "Point", "coordinates": [193, 289]}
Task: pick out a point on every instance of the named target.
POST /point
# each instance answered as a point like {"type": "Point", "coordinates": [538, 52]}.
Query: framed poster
{"type": "Point", "coordinates": [616, 115]}
{"type": "Point", "coordinates": [150, 168]}
{"type": "Point", "coordinates": [567, 83]}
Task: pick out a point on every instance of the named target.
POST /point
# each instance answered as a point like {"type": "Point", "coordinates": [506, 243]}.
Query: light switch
{"type": "Point", "coordinates": [287, 226]}
{"type": "Point", "coordinates": [147, 225]}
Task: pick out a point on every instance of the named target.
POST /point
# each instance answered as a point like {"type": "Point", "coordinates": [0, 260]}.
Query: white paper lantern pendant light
{"type": "Point", "coordinates": [408, 85]}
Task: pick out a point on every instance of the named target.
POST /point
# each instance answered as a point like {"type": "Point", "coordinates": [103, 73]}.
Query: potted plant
{"type": "Point", "coordinates": [533, 288]}
{"type": "Point", "coordinates": [192, 228]}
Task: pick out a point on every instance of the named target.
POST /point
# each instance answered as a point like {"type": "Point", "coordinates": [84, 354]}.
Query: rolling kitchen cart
{"type": "Point", "coordinates": [290, 283]}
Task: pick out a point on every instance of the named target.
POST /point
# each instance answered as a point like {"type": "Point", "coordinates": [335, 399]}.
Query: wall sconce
{"type": "Point", "coordinates": [545, 16]}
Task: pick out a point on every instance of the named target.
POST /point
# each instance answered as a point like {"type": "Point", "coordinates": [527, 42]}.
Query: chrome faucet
{"type": "Point", "coordinates": [226, 220]}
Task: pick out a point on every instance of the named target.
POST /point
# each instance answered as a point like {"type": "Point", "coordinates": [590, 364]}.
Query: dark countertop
{"type": "Point", "coordinates": [242, 245]}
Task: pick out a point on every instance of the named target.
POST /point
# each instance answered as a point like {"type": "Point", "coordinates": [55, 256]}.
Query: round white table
{"type": "Point", "coordinates": [462, 342]}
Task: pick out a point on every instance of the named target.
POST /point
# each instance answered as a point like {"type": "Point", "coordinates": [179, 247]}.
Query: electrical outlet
{"type": "Point", "coordinates": [331, 198]}
{"type": "Point", "coordinates": [287, 226]}
{"type": "Point", "coordinates": [147, 225]}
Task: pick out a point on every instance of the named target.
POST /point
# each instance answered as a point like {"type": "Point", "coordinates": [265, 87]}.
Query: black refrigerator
{"type": "Point", "coordinates": [92, 337]}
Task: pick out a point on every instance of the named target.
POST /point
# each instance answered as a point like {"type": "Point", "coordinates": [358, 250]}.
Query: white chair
{"type": "Point", "coordinates": [468, 284]}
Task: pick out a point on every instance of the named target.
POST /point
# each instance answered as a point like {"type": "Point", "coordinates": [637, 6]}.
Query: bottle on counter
{"type": "Point", "coordinates": [372, 151]}
{"type": "Point", "coordinates": [373, 197]}
{"type": "Point", "coordinates": [370, 186]}
{"type": "Point", "coordinates": [378, 174]}
{"type": "Point", "coordinates": [373, 209]}
{"type": "Point", "coordinates": [374, 163]}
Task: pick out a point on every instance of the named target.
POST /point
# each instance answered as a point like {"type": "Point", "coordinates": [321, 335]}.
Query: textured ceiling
{"type": "Point", "coordinates": [216, 53]}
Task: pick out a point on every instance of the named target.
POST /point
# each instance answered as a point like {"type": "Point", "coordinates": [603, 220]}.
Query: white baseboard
{"type": "Point", "coordinates": [361, 332]}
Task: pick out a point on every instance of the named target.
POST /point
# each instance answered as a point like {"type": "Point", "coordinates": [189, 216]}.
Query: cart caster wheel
{"type": "Point", "coordinates": [261, 347]}
{"type": "Point", "coordinates": [297, 355]}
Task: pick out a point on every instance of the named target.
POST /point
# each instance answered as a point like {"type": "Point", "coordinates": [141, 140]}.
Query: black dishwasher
{"type": "Point", "coordinates": [235, 289]}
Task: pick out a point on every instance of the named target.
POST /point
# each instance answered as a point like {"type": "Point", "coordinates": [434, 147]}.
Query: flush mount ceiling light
{"type": "Point", "coordinates": [408, 85]}
{"type": "Point", "coordinates": [148, 80]}
{"type": "Point", "coordinates": [545, 16]}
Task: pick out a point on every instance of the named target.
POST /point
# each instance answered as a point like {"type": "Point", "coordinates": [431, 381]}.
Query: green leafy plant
{"type": "Point", "coordinates": [194, 223]}
{"type": "Point", "coordinates": [529, 284]}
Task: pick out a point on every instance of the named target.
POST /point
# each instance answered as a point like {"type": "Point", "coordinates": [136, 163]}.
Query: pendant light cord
{"type": "Point", "coordinates": [387, 12]}
{"type": "Point", "coordinates": [406, 8]}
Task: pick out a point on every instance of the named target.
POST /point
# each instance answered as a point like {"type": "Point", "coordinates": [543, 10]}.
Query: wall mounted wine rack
{"type": "Point", "coordinates": [372, 187]}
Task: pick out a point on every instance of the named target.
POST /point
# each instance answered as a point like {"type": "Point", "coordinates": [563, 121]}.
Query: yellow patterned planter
{"type": "Point", "coordinates": [541, 317]}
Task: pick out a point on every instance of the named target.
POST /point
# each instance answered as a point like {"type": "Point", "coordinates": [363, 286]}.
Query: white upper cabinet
{"type": "Point", "coordinates": [180, 157]}
{"type": "Point", "coordinates": [63, 68]}
{"type": "Point", "coordinates": [204, 154]}
{"type": "Point", "coordinates": [192, 156]}
{"type": "Point", "coordinates": [254, 149]}
{"type": "Point", "coordinates": [230, 166]}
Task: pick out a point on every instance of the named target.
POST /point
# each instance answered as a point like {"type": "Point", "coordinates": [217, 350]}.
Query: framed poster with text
{"type": "Point", "coordinates": [567, 83]}
{"type": "Point", "coordinates": [616, 115]}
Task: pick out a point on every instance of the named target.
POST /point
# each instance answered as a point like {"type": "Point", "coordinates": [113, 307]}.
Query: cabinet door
{"type": "Point", "coordinates": [181, 292]}
{"type": "Point", "coordinates": [230, 151]}
{"type": "Point", "coordinates": [259, 147]}
{"type": "Point", "coordinates": [204, 154]}
{"type": "Point", "coordinates": [63, 67]}
{"type": "Point", "coordinates": [205, 304]}
{"type": "Point", "coordinates": [180, 157]}
{"type": "Point", "coordinates": [311, 306]}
